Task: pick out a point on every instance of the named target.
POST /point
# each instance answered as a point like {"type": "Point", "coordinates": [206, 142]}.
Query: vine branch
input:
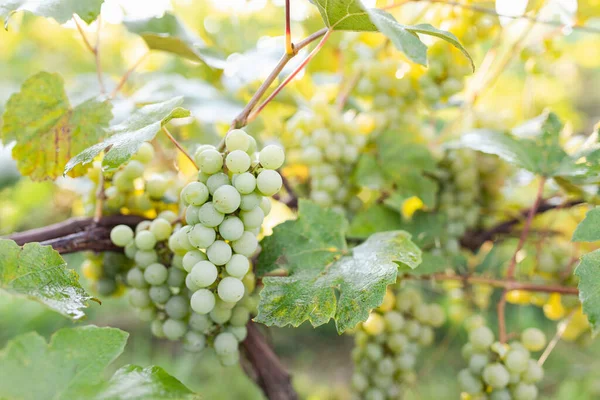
{"type": "Point", "coordinates": [179, 146]}
{"type": "Point", "coordinates": [289, 46]}
{"type": "Point", "coordinates": [95, 50]}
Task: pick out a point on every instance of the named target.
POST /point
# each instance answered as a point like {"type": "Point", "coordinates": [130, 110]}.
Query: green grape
{"type": "Point", "coordinates": [143, 258]}
{"type": "Point", "coordinates": [250, 201]}
{"type": "Point", "coordinates": [159, 294]}
{"type": "Point", "coordinates": [201, 236]}
{"type": "Point", "coordinates": [210, 161]}
{"type": "Point", "coordinates": [174, 329]}
{"type": "Point", "coordinates": [533, 339]}
{"type": "Point", "coordinates": [144, 154]}
{"type": "Point", "coordinates": [176, 277]}
{"type": "Point", "coordinates": [360, 383]}
{"type": "Point", "coordinates": [524, 391]}
{"type": "Point", "coordinates": [238, 161]}
{"type": "Point", "coordinates": [157, 328]}
{"type": "Point", "coordinates": [534, 373]}
{"type": "Point", "coordinates": [169, 215]}
{"type": "Point", "coordinates": [191, 258]}
{"type": "Point", "coordinates": [468, 382]}
{"type": "Point", "coordinates": [191, 215]}
{"type": "Point", "coordinates": [130, 250]}
{"type": "Point", "coordinates": [502, 394]}
{"type": "Point", "coordinates": [156, 274]}
{"type": "Point", "coordinates": [177, 307]}
{"type": "Point", "coordinates": [133, 169]}
{"type": "Point", "coordinates": [239, 316]}
{"type": "Point", "coordinates": [204, 274]}
{"type": "Point", "coordinates": [139, 298]}
{"type": "Point", "coordinates": [106, 286]}
{"type": "Point", "coordinates": [230, 289]}
{"type": "Point", "coordinates": [195, 193]}
{"type": "Point", "coordinates": [232, 228]}
{"type": "Point", "coordinates": [477, 363]}
{"type": "Point", "coordinates": [237, 139]}
{"type": "Point", "coordinates": [481, 338]}
{"type": "Point", "coordinates": [252, 218]}
{"type": "Point", "coordinates": [240, 332]}
{"type": "Point", "coordinates": [146, 314]}
{"type": "Point", "coordinates": [516, 361]}
{"type": "Point", "coordinates": [209, 216]}
{"type": "Point", "coordinates": [194, 341]}
{"type": "Point", "coordinates": [374, 394]}
{"type": "Point", "coordinates": [496, 376]}
{"type": "Point", "coordinates": [200, 323]}
{"type": "Point", "coordinates": [246, 245]}
{"type": "Point", "coordinates": [121, 235]}
{"type": "Point", "coordinates": [220, 315]}
{"type": "Point", "coordinates": [156, 187]}
{"type": "Point", "coordinates": [189, 283]}
{"type": "Point", "coordinates": [226, 199]}
{"type": "Point", "coordinates": [135, 278]}
{"type": "Point", "coordinates": [265, 205]}
{"type": "Point", "coordinates": [238, 266]}
{"type": "Point", "coordinates": [145, 240]}
{"type": "Point", "coordinates": [269, 182]}
{"type": "Point", "coordinates": [161, 229]}
{"type": "Point", "coordinates": [216, 181]}
{"type": "Point", "coordinates": [202, 301]}
{"type": "Point", "coordinates": [271, 157]}
{"type": "Point", "coordinates": [219, 253]}
{"type": "Point", "coordinates": [245, 183]}
{"type": "Point", "coordinates": [225, 344]}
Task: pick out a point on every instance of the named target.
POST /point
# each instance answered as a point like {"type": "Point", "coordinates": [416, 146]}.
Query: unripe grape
{"type": "Point", "coordinates": [156, 187]}
{"type": "Point", "coordinates": [168, 215]}
{"type": "Point", "coordinates": [269, 182]}
{"type": "Point", "coordinates": [216, 181]}
{"type": "Point", "coordinates": [220, 315]}
{"type": "Point", "coordinates": [534, 372]}
{"type": "Point", "coordinates": [524, 391]}
{"type": "Point", "coordinates": [144, 154]}
{"type": "Point", "coordinates": [533, 339]}
{"type": "Point", "coordinates": [156, 274]}
{"type": "Point", "coordinates": [195, 193]}
{"type": "Point", "coordinates": [161, 229]}
{"type": "Point", "coordinates": [191, 258]}
{"type": "Point", "coordinates": [194, 341]}
{"type": "Point", "coordinates": [230, 289]}
{"type": "Point", "coordinates": [496, 376]}
{"type": "Point", "coordinates": [201, 236]}
{"type": "Point", "coordinates": [145, 240]}
{"type": "Point", "coordinates": [245, 183]}
{"type": "Point", "coordinates": [265, 205]}
{"type": "Point", "coordinates": [271, 157]}
{"type": "Point", "coordinates": [239, 316]}
{"type": "Point", "coordinates": [238, 161]}
{"type": "Point", "coordinates": [250, 201]}
{"type": "Point", "coordinates": [157, 328]}
{"type": "Point", "coordinates": [202, 301]}
{"type": "Point", "coordinates": [226, 199]}
{"type": "Point", "coordinates": [231, 228]}
{"type": "Point", "coordinates": [481, 338]}
{"type": "Point", "coordinates": [139, 298]}
{"type": "Point", "coordinates": [468, 382]}
{"type": "Point", "coordinates": [159, 294]}
{"type": "Point", "coordinates": [252, 218]}
{"type": "Point", "coordinates": [204, 274]}
{"type": "Point", "coordinates": [133, 169]}
{"type": "Point", "coordinates": [143, 258]}
{"type": "Point", "coordinates": [177, 307]}
{"type": "Point", "coordinates": [210, 161]}
{"type": "Point", "coordinates": [237, 139]}
{"type": "Point", "coordinates": [240, 332]}
{"type": "Point", "coordinates": [219, 253]}
{"type": "Point", "coordinates": [174, 329]}
{"type": "Point", "coordinates": [121, 235]}
{"type": "Point", "coordinates": [176, 277]}
{"type": "Point", "coordinates": [502, 394]}
{"type": "Point", "coordinates": [200, 322]}
{"type": "Point", "coordinates": [135, 278]}
{"type": "Point", "coordinates": [477, 363]}
{"type": "Point", "coordinates": [238, 266]}
{"type": "Point", "coordinates": [516, 361]}
{"type": "Point", "coordinates": [246, 245]}
{"type": "Point", "coordinates": [225, 343]}
{"type": "Point", "coordinates": [209, 216]}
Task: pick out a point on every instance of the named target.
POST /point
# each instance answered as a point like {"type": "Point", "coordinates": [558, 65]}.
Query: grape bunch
{"type": "Point", "coordinates": [499, 371]}
{"type": "Point", "coordinates": [388, 343]}
{"type": "Point", "coordinates": [106, 272]}
{"type": "Point", "coordinates": [328, 144]}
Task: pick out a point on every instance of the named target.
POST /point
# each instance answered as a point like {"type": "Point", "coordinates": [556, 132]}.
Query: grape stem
{"type": "Point", "coordinates": [100, 197]}
{"type": "Point", "coordinates": [179, 146]}
{"type": "Point", "coordinates": [127, 74]}
{"type": "Point", "coordinates": [95, 50]}
{"type": "Point", "coordinates": [560, 331]}
{"type": "Point", "coordinates": [510, 272]}
{"type": "Point", "coordinates": [289, 46]}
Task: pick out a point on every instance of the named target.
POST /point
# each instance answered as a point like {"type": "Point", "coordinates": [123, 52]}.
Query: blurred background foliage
{"type": "Point", "coordinates": [249, 32]}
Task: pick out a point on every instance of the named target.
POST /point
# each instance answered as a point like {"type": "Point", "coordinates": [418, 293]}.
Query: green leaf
{"type": "Point", "coordinates": [588, 230]}
{"type": "Point", "coordinates": [168, 33]}
{"type": "Point", "coordinates": [71, 366]}
{"type": "Point", "coordinates": [133, 382]}
{"type": "Point", "coordinates": [344, 15]}
{"type": "Point", "coordinates": [588, 272]}
{"type": "Point", "coordinates": [376, 218]}
{"type": "Point", "coordinates": [60, 10]}
{"type": "Point", "coordinates": [325, 281]}
{"type": "Point", "coordinates": [38, 272]}
{"type": "Point", "coordinates": [431, 264]}
{"type": "Point", "coordinates": [368, 173]}
{"type": "Point", "coordinates": [128, 136]}
{"type": "Point", "coordinates": [538, 151]}
{"type": "Point", "coordinates": [74, 358]}
{"type": "Point", "coordinates": [427, 29]}
{"type": "Point", "coordinates": [47, 130]}
{"type": "Point", "coordinates": [403, 39]}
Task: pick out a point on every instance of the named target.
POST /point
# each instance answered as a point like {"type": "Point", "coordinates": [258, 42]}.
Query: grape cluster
{"type": "Point", "coordinates": [388, 343]}
{"type": "Point", "coordinates": [499, 371]}
{"type": "Point", "coordinates": [106, 271]}
{"type": "Point", "coordinates": [224, 214]}
{"type": "Point", "coordinates": [328, 143]}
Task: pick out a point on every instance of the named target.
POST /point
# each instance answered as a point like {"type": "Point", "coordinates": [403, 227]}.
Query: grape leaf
{"type": "Point", "coordinates": [588, 230]}
{"type": "Point", "coordinates": [406, 39]}
{"type": "Point", "coordinates": [168, 33]}
{"type": "Point", "coordinates": [588, 271]}
{"type": "Point", "coordinates": [128, 136]}
{"type": "Point", "coordinates": [344, 15]}
{"type": "Point", "coordinates": [537, 150]}
{"type": "Point", "coordinates": [326, 280]}
{"type": "Point", "coordinates": [376, 218]}
{"type": "Point", "coordinates": [38, 272]}
{"type": "Point", "coordinates": [47, 130]}
{"type": "Point", "coordinates": [60, 10]}
{"type": "Point", "coordinates": [71, 365]}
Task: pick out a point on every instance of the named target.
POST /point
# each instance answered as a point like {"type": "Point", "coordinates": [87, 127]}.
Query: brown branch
{"type": "Point", "coordinates": [474, 239]}
{"type": "Point", "coordinates": [265, 367]}
{"type": "Point", "coordinates": [289, 46]}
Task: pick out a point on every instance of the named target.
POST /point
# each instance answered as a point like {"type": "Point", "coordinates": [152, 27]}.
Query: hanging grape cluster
{"type": "Point", "coordinates": [388, 343]}
{"type": "Point", "coordinates": [499, 371]}
{"type": "Point", "coordinates": [328, 144]}
{"type": "Point", "coordinates": [194, 282]}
